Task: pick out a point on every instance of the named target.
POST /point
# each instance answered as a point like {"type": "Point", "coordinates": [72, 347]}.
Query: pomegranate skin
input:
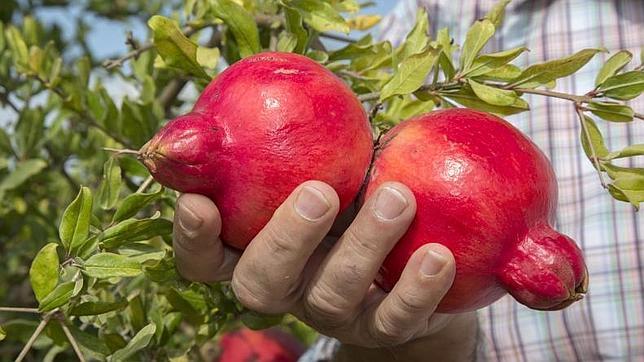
{"type": "Point", "coordinates": [489, 194]}
{"type": "Point", "coordinates": [270, 345]}
{"type": "Point", "coordinates": [265, 125]}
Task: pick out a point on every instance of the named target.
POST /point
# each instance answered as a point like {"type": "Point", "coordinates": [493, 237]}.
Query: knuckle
{"type": "Point", "coordinates": [327, 308]}
{"type": "Point", "coordinates": [249, 297]}
{"type": "Point", "coordinates": [363, 244]}
{"type": "Point", "coordinates": [279, 242]}
{"type": "Point", "coordinates": [408, 305]}
{"type": "Point", "coordinates": [387, 331]}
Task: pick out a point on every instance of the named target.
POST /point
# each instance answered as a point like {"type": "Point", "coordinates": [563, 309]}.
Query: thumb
{"type": "Point", "coordinates": [200, 254]}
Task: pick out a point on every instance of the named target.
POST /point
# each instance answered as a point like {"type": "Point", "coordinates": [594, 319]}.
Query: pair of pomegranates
{"type": "Point", "coordinates": [484, 190]}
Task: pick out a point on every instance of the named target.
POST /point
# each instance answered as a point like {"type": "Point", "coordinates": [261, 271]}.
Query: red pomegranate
{"type": "Point", "coordinates": [262, 127]}
{"type": "Point", "coordinates": [270, 345]}
{"type": "Point", "coordinates": [488, 193]}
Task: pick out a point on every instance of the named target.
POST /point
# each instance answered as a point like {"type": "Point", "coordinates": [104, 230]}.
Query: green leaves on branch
{"type": "Point", "coordinates": [109, 265]}
{"type": "Point", "coordinates": [624, 86]}
{"type": "Point", "coordinates": [176, 50]}
{"type": "Point", "coordinates": [613, 112]}
{"type": "Point", "coordinates": [74, 227]}
{"type": "Point", "coordinates": [23, 172]}
{"type": "Point", "coordinates": [613, 65]}
{"type": "Point", "coordinates": [44, 271]}
{"type": "Point", "coordinates": [240, 23]}
{"type": "Point", "coordinates": [319, 15]}
{"type": "Point", "coordinates": [546, 72]}
{"type": "Point", "coordinates": [141, 340]}
{"type": "Point", "coordinates": [477, 36]}
{"type": "Point", "coordinates": [410, 73]}
{"type": "Point", "coordinates": [132, 230]}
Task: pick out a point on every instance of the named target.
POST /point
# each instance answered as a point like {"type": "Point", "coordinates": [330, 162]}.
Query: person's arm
{"type": "Point", "coordinates": [456, 342]}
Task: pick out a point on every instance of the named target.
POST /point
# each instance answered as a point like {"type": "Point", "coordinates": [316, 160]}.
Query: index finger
{"type": "Point", "coordinates": [200, 254]}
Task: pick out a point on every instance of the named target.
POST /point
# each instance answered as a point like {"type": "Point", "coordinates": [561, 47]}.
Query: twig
{"type": "Point", "coordinates": [638, 115]}
{"type": "Point", "coordinates": [120, 151]}
{"type": "Point", "coordinates": [553, 94]}
{"type": "Point", "coordinates": [145, 184]}
{"type": "Point", "coordinates": [341, 38]}
{"type": "Point", "coordinates": [593, 153]}
{"type": "Point", "coordinates": [113, 63]}
{"type": "Point", "coordinates": [72, 341]}
{"type": "Point", "coordinates": [4, 97]}
{"type": "Point", "coordinates": [32, 339]}
{"type": "Point", "coordinates": [170, 93]}
{"type": "Point", "coordinates": [19, 310]}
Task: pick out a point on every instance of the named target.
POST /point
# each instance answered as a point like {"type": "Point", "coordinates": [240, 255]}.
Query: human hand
{"type": "Point", "coordinates": [288, 269]}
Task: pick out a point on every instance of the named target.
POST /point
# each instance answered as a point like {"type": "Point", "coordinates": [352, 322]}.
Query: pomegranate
{"type": "Point", "coordinates": [274, 120]}
{"type": "Point", "coordinates": [488, 193]}
{"type": "Point", "coordinates": [271, 345]}
{"type": "Point", "coordinates": [262, 127]}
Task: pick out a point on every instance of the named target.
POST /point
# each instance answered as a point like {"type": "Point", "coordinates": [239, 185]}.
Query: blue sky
{"type": "Point", "coordinates": [106, 38]}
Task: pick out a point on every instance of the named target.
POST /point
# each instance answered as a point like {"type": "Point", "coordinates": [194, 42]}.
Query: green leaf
{"type": "Point", "coordinates": [208, 57]}
{"type": "Point", "coordinates": [410, 74]}
{"type": "Point", "coordinates": [138, 342]}
{"type": "Point", "coordinates": [504, 73]}
{"type": "Point", "coordinates": [84, 67]}
{"type": "Point", "coordinates": [18, 48]}
{"type": "Point", "coordinates": [258, 321]}
{"type": "Point", "coordinates": [74, 227]}
{"type": "Point", "coordinates": [417, 40]}
{"type": "Point", "coordinates": [44, 270]}
{"type": "Point", "coordinates": [492, 95]}
{"type": "Point", "coordinates": [96, 308]}
{"type": "Point", "coordinates": [319, 15]}
{"type": "Point", "coordinates": [108, 265]}
{"type": "Point", "coordinates": [174, 47]}
{"type": "Point", "coordinates": [108, 194]}
{"type": "Point", "coordinates": [136, 312]}
{"type": "Point", "coordinates": [497, 13]}
{"type": "Point", "coordinates": [2, 41]}
{"type": "Point", "coordinates": [596, 140]}
{"type": "Point", "coordinates": [161, 271]}
{"type": "Point", "coordinates": [613, 65]}
{"type": "Point", "coordinates": [30, 132]}
{"type": "Point", "coordinates": [543, 73]}
{"type": "Point", "coordinates": [611, 111]}
{"type": "Point", "coordinates": [54, 73]}
{"type": "Point", "coordinates": [624, 86]}
{"type": "Point", "coordinates": [133, 203]}
{"type": "Point", "coordinates": [295, 26]}
{"type": "Point", "coordinates": [90, 344]}
{"type": "Point", "coordinates": [629, 151]}
{"type": "Point", "coordinates": [23, 171]}
{"type": "Point", "coordinates": [5, 141]}
{"type": "Point", "coordinates": [3, 333]}
{"type": "Point", "coordinates": [58, 297]}
{"type": "Point", "coordinates": [488, 62]}
{"type": "Point", "coordinates": [134, 230]}
{"type": "Point", "coordinates": [466, 97]}
{"type": "Point", "coordinates": [241, 24]}
{"type": "Point", "coordinates": [287, 42]}
{"type": "Point", "coordinates": [477, 36]}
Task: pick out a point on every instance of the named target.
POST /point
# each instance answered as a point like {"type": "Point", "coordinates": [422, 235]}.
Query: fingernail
{"type": "Point", "coordinates": [432, 263]}
{"type": "Point", "coordinates": [390, 203]}
{"type": "Point", "coordinates": [188, 220]}
{"type": "Point", "coordinates": [311, 203]}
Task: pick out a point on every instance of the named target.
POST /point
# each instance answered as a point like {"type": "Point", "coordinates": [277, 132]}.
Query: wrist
{"type": "Point", "coordinates": [454, 341]}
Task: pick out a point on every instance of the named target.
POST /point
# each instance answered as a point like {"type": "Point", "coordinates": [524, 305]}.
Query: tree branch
{"type": "Point", "coordinates": [595, 159]}
{"type": "Point", "coordinates": [72, 341]}
{"type": "Point", "coordinates": [32, 339]}
{"type": "Point", "coordinates": [19, 310]}
{"type": "Point", "coordinates": [4, 97]}
{"type": "Point", "coordinates": [344, 39]}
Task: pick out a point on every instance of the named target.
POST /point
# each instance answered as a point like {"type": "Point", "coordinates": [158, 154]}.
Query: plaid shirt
{"type": "Point", "coordinates": [608, 324]}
